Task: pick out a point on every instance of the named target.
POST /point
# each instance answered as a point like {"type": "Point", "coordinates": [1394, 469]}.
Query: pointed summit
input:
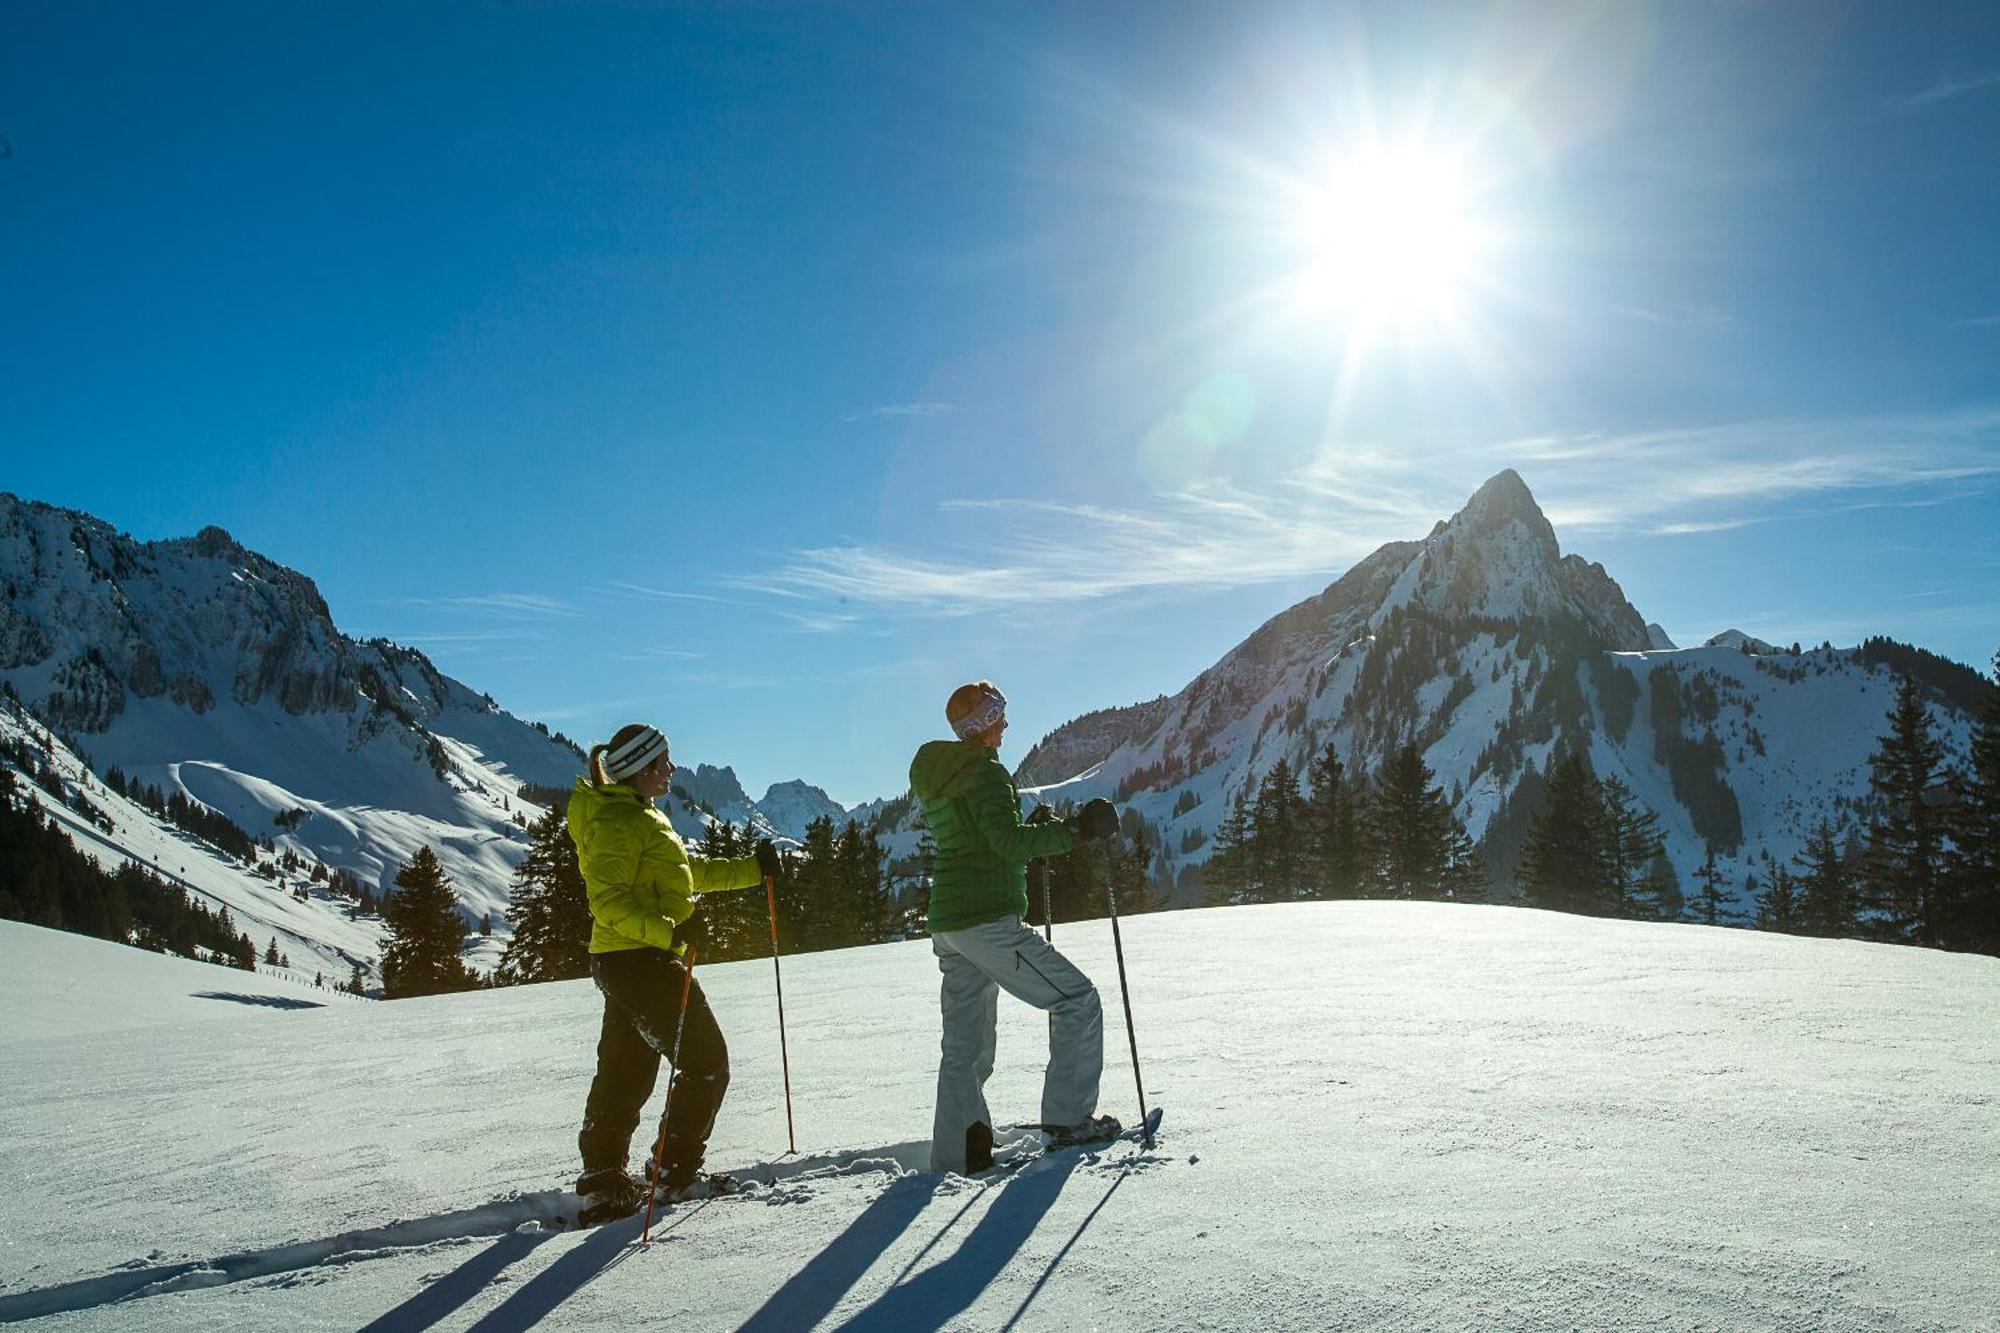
{"type": "Point", "coordinates": [1505, 498]}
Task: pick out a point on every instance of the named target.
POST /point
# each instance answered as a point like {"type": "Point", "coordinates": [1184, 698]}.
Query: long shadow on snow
{"type": "Point", "coordinates": [266, 1001]}
{"type": "Point", "coordinates": [937, 1295]}
{"type": "Point", "coordinates": [606, 1247]}
{"type": "Point", "coordinates": [142, 1280]}
{"type": "Point", "coordinates": [455, 1288]}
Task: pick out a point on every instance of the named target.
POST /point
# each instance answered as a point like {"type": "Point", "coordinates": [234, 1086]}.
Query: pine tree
{"type": "Point", "coordinates": [1568, 862]}
{"type": "Point", "coordinates": [808, 903]}
{"type": "Point", "coordinates": [1632, 845]}
{"type": "Point", "coordinates": [1974, 865]}
{"type": "Point", "coordinates": [1278, 833]}
{"type": "Point", "coordinates": [426, 933]}
{"type": "Point", "coordinates": [1336, 837]}
{"type": "Point", "coordinates": [1709, 884]}
{"type": "Point", "coordinates": [271, 952]}
{"type": "Point", "coordinates": [1778, 904]}
{"type": "Point", "coordinates": [737, 922]}
{"type": "Point", "coordinates": [356, 983]}
{"type": "Point", "coordinates": [1659, 896]}
{"type": "Point", "coordinates": [1825, 886]}
{"type": "Point", "coordinates": [1420, 850]}
{"type": "Point", "coordinates": [548, 910]}
{"type": "Point", "coordinates": [861, 909]}
{"type": "Point", "coordinates": [1227, 872]}
{"type": "Point", "coordinates": [1904, 861]}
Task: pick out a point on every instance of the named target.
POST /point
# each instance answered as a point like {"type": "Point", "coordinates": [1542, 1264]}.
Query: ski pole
{"type": "Point", "coordinates": [1125, 994]}
{"type": "Point", "coordinates": [1048, 913]}
{"type": "Point", "coordinates": [784, 1056]}
{"type": "Point", "coordinates": [673, 1075]}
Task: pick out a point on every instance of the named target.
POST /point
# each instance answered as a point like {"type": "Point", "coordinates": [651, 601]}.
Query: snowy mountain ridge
{"type": "Point", "coordinates": [200, 667]}
{"type": "Point", "coordinates": [1490, 650]}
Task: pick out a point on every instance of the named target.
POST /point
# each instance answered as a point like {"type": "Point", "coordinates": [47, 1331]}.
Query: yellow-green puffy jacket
{"type": "Point", "coordinates": [641, 879]}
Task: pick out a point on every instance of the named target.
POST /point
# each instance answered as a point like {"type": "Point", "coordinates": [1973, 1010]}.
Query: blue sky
{"type": "Point", "coordinates": [767, 371]}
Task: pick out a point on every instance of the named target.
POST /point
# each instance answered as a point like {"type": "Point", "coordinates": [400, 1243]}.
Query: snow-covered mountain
{"type": "Point", "coordinates": [198, 667]}
{"type": "Point", "coordinates": [1488, 648]}
{"type": "Point", "coordinates": [789, 806]}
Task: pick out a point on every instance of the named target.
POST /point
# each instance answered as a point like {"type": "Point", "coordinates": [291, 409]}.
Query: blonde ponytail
{"type": "Point", "coordinates": [598, 777]}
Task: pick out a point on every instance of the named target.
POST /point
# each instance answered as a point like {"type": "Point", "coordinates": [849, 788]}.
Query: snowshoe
{"type": "Point", "coordinates": [713, 1185]}
{"type": "Point", "coordinates": [1097, 1129]}
{"type": "Point", "coordinates": [607, 1196]}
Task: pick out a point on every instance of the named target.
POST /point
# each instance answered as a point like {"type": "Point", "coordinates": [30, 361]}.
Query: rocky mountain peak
{"type": "Point", "coordinates": [1501, 501]}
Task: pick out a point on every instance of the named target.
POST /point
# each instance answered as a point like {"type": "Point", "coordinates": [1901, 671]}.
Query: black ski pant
{"type": "Point", "coordinates": [642, 1006]}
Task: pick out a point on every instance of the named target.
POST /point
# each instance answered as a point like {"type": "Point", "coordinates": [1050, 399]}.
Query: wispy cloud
{"type": "Point", "coordinates": [1977, 322]}
{"type": "Point", "coordinates": [523, 603]}
{"type": "Point", "coordinates": [1946, 89]}
{"type": "Point", "coordinates": [901, 410]}
{"type": "Point", "coordinates": [1321, 518]}
{"type": "Point", "coordinates": [658, 594]}
{"type": "Point", "coordinates": [658, 655]}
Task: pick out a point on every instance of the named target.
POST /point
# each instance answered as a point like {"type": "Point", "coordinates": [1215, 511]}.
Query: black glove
{"type": "Point", "coordinates": [768, 861]}
{"type": "Point", "coordinates": [1097, 819]}
{"type": "Point", "coordinates": [693, 933]}
{"type": "Point", "coordinates": [1041, 814]}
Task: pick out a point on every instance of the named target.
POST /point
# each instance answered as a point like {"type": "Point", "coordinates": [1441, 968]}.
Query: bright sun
{"type": "Point", "coordinates": [1390, 238]}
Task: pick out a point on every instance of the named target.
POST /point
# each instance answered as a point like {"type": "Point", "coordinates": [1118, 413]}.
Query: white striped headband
{"type": "Point", "coordinates": [992, 707]}
{"type": "Point", "coordinates": [635, 755]}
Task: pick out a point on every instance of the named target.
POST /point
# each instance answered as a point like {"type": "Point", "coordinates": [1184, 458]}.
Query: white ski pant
{"type": "Point", "coordinates": [977, 964]}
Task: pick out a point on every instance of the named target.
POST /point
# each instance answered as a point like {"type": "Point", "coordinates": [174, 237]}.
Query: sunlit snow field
{"type": "Point", "coordinates": [1378, 1116]}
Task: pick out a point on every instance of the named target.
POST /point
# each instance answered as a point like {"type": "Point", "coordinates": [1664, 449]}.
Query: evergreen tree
{"type": "Point", "coordinates": [1974, 865]}
{"type": "Point", "coordinates": [1337, 831]}
{"type": "Point", "coordinates": [1826, 886]}
{"type": "Point", "coordinates": [861, 912]}
{"type": "Point", "coordinates": [426, 933]}
{"type": "Point", "coordinates": [548, 909]}
{"type": "Point", "coordinates": [1709, 885]}
{"type": "Point", "coordinates": [809, 903]}
{"type": "Point", "coordinates": [1632, 846]}
{"type": "Point", "coordinates": [1904, 861]}
{"type": "Point", "coordinates": [1778, 904]}
{"type": "Point", "coordinates": [1278, 832]}
{"type": "Point", "coordinates": [738, 921]}
{"type": "Point", "coordinates": [1227, 873]}
{"type": "Point", "coordinates": [1420, 847]}
{"type": "Point", "coordinates": [271, 952]}
{"type": "Point", "coordinates": [1569, 862]}
{"type": "Point", "coordinates": [1659, 896]}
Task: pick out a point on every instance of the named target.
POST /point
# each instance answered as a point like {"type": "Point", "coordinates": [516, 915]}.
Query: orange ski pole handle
{"type": "Point", "coordinates": [777, 974]}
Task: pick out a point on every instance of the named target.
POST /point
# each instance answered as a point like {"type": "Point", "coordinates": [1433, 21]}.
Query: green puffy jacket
{"type": "Point", "coordinates": [983, 848]}
{"type": "Point", "coordinates": [641, 879]}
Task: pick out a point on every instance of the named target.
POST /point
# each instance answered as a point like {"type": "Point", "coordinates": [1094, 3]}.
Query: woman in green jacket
{"type": "Point", "coordinates": [642, 885]}
{"type": "Point", "coordinates": [979, 895]}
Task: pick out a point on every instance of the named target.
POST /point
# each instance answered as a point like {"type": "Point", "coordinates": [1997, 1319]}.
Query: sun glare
{"type": "Point", "coordinates": [1389, 237]}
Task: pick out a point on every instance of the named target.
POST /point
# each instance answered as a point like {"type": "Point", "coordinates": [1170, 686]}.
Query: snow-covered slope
{"type": "Point", "coordinates": [201, 668]}
{"type": "Point", "coordinates": [1489, 649]}
{"type": "Point", "coordinates": [1379, 1115]}
{"type": "Point", "coordinates": [316, 928]}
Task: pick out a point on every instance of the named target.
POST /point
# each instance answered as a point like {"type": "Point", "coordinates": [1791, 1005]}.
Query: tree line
{"type": "Point", "coordinates": [46, 881]}
{"type": "Point", "coordinates": [1342, 835]}
{"type": "Point", "coordinates": [1924, 866]}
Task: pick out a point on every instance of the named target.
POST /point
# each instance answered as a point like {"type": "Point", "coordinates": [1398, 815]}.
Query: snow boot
{"type": "Point", "coordinates": [607, 1195]}
{"type": "Point", "coordinates": [1096, 1129]}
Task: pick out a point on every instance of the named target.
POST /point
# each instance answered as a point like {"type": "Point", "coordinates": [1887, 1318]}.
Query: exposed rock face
{"type": "Point", "coordinates": [193, 620]}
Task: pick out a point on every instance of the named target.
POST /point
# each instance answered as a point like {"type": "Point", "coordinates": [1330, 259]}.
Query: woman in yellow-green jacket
{"type": "Point", "coordinates": [642, 886]}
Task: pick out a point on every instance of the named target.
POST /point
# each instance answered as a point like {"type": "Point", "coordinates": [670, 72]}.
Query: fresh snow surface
{"type": "Point", "coordinates": [1378, 1115]}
